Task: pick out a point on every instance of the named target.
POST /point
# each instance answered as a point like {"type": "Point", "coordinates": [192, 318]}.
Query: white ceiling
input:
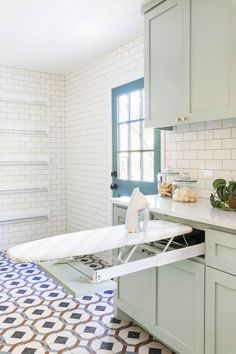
{"type": "Point", "coordinates": [61, 35]}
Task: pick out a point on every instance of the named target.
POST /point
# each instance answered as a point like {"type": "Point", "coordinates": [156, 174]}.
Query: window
{"type": "Point", "coordinates": [135, 149]}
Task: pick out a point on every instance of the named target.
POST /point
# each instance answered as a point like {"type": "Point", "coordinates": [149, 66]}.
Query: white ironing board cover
{"type": "Point", "coordinates": [93, 241]}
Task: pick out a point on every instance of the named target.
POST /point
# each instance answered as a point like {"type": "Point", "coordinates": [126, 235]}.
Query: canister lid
{"type": "Point", "coordinates": [185, 177]}
{"type": "Point", "coordinates": [169, 171]}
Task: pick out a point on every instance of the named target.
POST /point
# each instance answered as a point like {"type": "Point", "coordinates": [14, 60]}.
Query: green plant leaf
{"type": "Point", "coordinates": [225, 194]}
{"type": "Point", "coordinates": [218, 182]}
{"type": "Point", "coordinates": [212, 200]}
{"type": "Point", "coordinates": [219, 204]}
{"type": "Point", "coordinates": [220, 191]}
{"type": "Point", "coordinates": [233, 191]}
{"type": "Point", "coordinates": [231, 186]}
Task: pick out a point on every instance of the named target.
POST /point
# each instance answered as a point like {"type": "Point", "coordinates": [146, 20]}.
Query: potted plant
{"type": "Point", "coordinates": [224, 196]}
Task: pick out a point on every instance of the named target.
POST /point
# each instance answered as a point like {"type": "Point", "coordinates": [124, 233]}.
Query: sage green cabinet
{"type": "Point", "coordinates": [168, 301]}
{"type": "Point", "coordinates": [180, 306]}
{"type": "Point", "coordinates": [220, 317]}
{"type": "Point", "coordinates": [221, 250]}
{"type": "Point", "coordinates": [166, 63]}
{"type": "Point", "coordinates": [136, 295]}
{"type": "Point", "coordinates": [119, 215]}
{"type": "Point", "coordinates": [190, 55]}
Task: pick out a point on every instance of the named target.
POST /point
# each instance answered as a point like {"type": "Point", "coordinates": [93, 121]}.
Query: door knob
{"type": "Point", "coordinates": [113, 173]}
{"type": "Point", "coordinates": [113, 186]}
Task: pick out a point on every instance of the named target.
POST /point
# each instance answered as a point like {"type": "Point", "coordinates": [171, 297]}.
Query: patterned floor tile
{"type": "Point", "coordinates": [17, 335]}
{"type": "Point", "coordinates": [47, 325]}
{"type": "Point", "coordinates": [41, 311]}
{"type": "Point", "coordinates": [3, 297]}
{"type": "Point", "coordinates": [61, 340]}
{"type": "Point", "coordinates": [76, 315]}
{"type": "Point", "coordinates": [28, 301]}
{"type": "Point", "coordinates": [11, 320]}
{"type": "Point", "coordinates": [90, 330]}
{"type": "Point", "coordinates": [154, 348]}
{"type": "Point", "coordinates": [21, 291]}
{"type": "Point", "coordinates": [37, 316]}
{"type": "Point", "coordinates": [100, 308]}
{"type": "Point", "coordinates": [107, 343]}
{"type": "Point", "coordinates": [29, 348]}
{"type": "Point", "coordinates": [134, 335]}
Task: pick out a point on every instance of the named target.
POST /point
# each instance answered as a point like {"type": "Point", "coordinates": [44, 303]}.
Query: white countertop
{"type": "Point", "coordinates": [201, 211]}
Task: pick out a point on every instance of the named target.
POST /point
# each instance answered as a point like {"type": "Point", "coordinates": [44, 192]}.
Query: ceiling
{"type": "Point", "coordinates": [59, 36]}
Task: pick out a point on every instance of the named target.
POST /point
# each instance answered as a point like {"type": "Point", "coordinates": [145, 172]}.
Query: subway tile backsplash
{"type": "Point", "coordinates": [206, 150]}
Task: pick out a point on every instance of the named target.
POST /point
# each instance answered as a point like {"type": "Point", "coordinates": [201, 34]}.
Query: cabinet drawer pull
{"type": "Point", "coordinates": [181, 119]}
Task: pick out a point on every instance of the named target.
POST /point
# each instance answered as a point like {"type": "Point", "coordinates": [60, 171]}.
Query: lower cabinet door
{"type": "Point", "coordinates": [136, 295]}
{"type": "Point", "coordinates": [119, 215]}
{"type": "Point", "coordinates": [180, 306]}
{"type": "Point", "coordinates": [220, 312]}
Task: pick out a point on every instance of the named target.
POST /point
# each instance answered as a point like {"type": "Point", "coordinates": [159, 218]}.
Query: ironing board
{"type": "Point", "coordinates": [58, 255]}
{"type": "Point", "coordinates": [94, 241]}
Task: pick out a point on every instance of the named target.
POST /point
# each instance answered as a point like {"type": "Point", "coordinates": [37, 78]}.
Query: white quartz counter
{"type": "Point", "coordinates": [200, 212]}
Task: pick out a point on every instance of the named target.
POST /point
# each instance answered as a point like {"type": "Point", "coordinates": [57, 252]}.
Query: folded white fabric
{"type": "Point", "coordinates": [137, 203]}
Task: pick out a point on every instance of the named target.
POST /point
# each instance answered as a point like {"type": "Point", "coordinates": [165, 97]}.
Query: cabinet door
{"type": "Point", "coordinates": [213, 57]}
{"type": "Point", "coordinates": [180, 306]}
{"type": "Point", "coordinates": [167, 63]}
{"type": "Point", "coordinates": [136, 293]}
{"type": "Point", "coordinates": [220, 312]}
{"type": "Point", "coordinates": [119, 215]}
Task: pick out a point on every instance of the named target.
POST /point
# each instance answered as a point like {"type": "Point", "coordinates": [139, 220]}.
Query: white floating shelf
{"type": "Point", "coordinates": [6, 159]}
{"type": "Point", "coordinates": [23, 187]}
{"type": "Point", "coordinates": [36, 128]}
{"type": "Point", "coordinates": [26, 215]}
{"type": "Point", "coordinates": [26, 99]}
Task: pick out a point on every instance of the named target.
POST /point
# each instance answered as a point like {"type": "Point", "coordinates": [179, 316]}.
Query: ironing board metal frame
{"type": "Point", "coordinates": [123, 265]}
{"type": "Point", "coordinates": [157, 260]}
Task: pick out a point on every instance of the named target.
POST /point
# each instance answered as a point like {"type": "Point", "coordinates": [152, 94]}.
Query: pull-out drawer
{"type": "Point", "coordinates": [73, 280]}
{"type": "Point", "coordinates": [80, 279]}
{"type": "Point", "coordinates": [221, 250]}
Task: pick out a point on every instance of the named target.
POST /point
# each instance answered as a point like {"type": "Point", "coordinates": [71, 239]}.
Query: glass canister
{"type": "Point", "coordinates": [165, 182]}
{"type": "Point", "coordinates": [184, 189]}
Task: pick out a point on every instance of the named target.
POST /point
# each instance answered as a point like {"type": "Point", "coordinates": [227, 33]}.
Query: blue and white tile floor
{"type": "Point", "coordinates": [39, 317]}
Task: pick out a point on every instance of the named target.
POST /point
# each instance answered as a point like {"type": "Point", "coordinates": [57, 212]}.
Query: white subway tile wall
{"type": "Point", "coordinates": [19, 144]}
{"type": "Point", "coordinates": [88, 133]}
{"type": "Point", "coordinates": [205, 150]}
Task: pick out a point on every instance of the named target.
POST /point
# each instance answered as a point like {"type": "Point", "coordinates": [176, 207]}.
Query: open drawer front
{"type": "Point", "coordinates": [80, 279]}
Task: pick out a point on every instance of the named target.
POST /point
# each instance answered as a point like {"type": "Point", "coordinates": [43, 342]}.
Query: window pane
{"type": "Point", "coordinates": [123, 108]}
{"type": "Point", "coordinates": [148, 139]}
{"type": "Point", "coordinates": [148, 166]}
{"type": "Point", "coordinates": [123, 136]}
{"type": "Point", "coordinates": [135, 142]}
{"type": "Point", "coordinates": [136, 105]}
{"type": "Point", "coordinates": [122, 161]}
{"type": "Point", "coordinates": [135, 158]}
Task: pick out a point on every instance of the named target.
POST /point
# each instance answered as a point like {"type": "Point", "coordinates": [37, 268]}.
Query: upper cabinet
{"type": "Point", "coordinates": [190, 61]}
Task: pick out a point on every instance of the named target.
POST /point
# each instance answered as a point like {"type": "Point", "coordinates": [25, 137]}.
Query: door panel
{"type": "Point", "coordinates": [220, 312]}
{"type": "Point", "coordinates": [180, 306]}
{"type": "Point", "coordinates": [167, 63]}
